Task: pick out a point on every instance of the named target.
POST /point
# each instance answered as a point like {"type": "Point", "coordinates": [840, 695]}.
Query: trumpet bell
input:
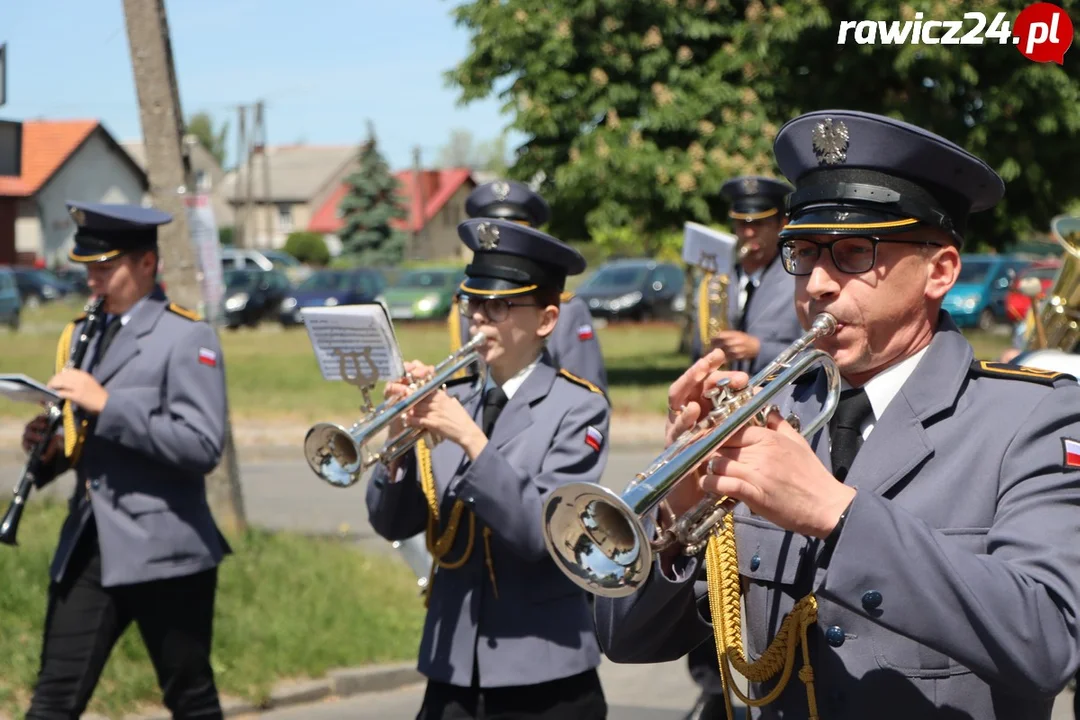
{"type": "Point", "coordinates": [333, 455]}
{"type": "Point", "coordinates": [590, 535]}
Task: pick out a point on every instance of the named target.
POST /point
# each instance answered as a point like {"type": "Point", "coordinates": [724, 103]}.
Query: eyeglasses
{"type": "Point", "coordinates": [494, 309]}
{"type": "Point", "coordinates": [851, 254]}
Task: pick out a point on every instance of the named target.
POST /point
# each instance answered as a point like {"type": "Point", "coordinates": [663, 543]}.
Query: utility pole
{"type": "Point", "coordinates": [240, 223]}
{"type": "Point", "coordinates": [419, 235]}
{"type": "Point", "coordinates": [250, 225]}
{"type": "Point", "coordinates": [163, 129]}
{"type": "Point", "coordinates": [259, 146]}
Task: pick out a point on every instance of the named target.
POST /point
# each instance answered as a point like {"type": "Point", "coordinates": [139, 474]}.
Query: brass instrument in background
{"type": "Point", "coordinates": [601, 541]}
{"type": "Point", "coordinates": [1055, 321]}
{"type": "Point", "coordinates": [714, 302]}
{"type": "Point", "coordinates": [340, 456]}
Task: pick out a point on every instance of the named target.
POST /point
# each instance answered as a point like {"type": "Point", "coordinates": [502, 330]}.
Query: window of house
{"type": "Point", "coordinates": [285, 219]}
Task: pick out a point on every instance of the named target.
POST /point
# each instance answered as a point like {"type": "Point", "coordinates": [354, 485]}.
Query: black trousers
{"type": "Point", "coordinates": [579, 697]}
{"type": "Point", "coordinates": [84, 621]}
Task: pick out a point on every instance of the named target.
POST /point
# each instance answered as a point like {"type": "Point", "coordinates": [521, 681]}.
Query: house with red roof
{"type": "Point", "coordinates": [61, 160]}
{"type": "Point", "coordinates": [435, 200]}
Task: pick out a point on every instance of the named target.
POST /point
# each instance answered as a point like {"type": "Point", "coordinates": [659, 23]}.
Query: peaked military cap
{"type": "Point", "coordinates": [860, 173]}
{"type": "Point", "coordinates": [513, 259]}
{"type": "Point", "coordinates": [104, 231]}
{"type": "Point", "coordinates": [509, 200]}
{"type": "Point", "coordinates": [754, 198]}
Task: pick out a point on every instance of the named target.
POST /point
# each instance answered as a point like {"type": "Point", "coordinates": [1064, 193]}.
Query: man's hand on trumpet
{"type": "Point", "coordinates": [772, 469]}
{"type": "Point", "coordinates": [775, 472]}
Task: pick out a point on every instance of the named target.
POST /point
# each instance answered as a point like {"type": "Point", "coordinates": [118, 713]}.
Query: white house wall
{"type": "Point", "coordinates": [96, 173]}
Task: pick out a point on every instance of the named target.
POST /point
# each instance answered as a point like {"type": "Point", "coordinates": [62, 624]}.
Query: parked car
{"type": "Point", "coordinates": [635, 289]}
{"type": "Point", "coordinates": [10, 300]}
{"type": "Point", "coordinates": [75, 277]}
{"type": "Point", "coordinates": [423, 294]}
{"type": "Point", "coordinates": [37, 286]}
{"type": "Point", "coordinates": [1017, 303]}
{"type": "Point", "coordinates": [332, 287]}
{"type": "Point", "coordinates": [978, 297]}
{"type": "Point", "coordinates": [252, 296]}
{"type": "Point", "coordinates": [241, 258]}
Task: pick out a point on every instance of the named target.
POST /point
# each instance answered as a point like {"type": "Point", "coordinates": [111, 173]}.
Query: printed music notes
{"type": "Point", "coordinates": [354, 343]}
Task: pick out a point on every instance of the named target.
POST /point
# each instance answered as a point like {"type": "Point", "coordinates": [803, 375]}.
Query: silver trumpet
{"type": "Point", "coordinates": [601, 541]}
{"type": "Point", "coordinates": [340, 456]}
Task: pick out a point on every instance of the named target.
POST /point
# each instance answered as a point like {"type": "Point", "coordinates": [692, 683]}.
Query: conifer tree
{"type": "Point", "coordinates": [373, 200]}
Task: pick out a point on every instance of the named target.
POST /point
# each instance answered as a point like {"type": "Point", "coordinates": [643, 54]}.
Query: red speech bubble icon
{"type": "Point", "coordinates": [1043, 32]}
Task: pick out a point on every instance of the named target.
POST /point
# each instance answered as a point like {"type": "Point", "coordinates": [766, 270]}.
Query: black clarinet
{"type": "Point", "coordinates": [9, 527]}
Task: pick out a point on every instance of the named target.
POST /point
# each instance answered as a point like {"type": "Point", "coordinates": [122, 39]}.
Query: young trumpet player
{"type": "Point", "coordinates": [507, 634]}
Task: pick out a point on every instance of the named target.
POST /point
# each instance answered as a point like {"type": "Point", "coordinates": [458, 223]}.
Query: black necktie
{"type": "Point", "coordinates": [494, 401]}
{"type": "Point", "coordinates": [750, 287]}
{"type": "Point", "coordinates": [845, 432]}
{"type": "Point", "coordinates": [107, 335]}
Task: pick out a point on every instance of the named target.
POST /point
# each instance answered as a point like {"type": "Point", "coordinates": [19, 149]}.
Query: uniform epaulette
{"type": "Point", "coordinates": [566, 297]}
{"type": "Point", "coordinates": [1017, 372]}
{"type": "Point", "coordinates": [580, 381]}
{"type": "Point", "coordinates": [184, 312]}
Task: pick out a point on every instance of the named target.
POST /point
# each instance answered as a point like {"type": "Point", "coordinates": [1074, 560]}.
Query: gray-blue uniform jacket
{"type": "Point", "coordinates": [573, 344]}
{"type": "Point", "coordinates": [770, 317]}
{"type": "Point", "coordinates": [538, 626]}
{"type": "Point", "coordinates": [143, 460]}
{"type": "Point", "coordinates": [954, 588]}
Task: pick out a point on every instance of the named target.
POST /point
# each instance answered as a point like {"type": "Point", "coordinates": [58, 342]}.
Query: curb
{"type": "Point", "coordinates": [337, 684]}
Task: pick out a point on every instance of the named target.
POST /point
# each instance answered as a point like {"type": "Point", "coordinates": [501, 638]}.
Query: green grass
{"type": "Point", "coordinates": [287, 607]}
{"type": "Point", "coordinates": [272, 373]}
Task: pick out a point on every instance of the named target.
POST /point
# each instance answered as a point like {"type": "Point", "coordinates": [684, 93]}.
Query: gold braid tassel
{"type": "Point", "coordinates": [439, 546]}
{"type": "Point", "coordinates": [722, 573]}
{"type": "Point", "coordinates": [73, 436]}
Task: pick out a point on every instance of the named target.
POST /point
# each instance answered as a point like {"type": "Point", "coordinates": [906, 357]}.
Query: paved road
{"type": "Point", "coordinates": [634, 692]}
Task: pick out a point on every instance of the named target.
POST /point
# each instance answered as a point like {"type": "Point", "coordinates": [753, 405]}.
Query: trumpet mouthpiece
{"type": "Point", "coordinates": [824, 324]}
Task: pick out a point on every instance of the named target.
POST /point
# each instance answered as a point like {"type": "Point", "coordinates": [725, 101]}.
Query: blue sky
{"type": "Point", "coordinates": [323, 67]}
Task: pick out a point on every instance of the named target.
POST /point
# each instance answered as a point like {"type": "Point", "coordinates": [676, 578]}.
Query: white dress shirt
{"type": "Point", "coordinates": [882, 388]}
{"type": "Point", "coordinates": [512, 385]}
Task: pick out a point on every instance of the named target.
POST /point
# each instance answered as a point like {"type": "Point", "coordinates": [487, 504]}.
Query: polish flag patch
{"type": "Point", "coordinates": [594, 438]}
{"type": "Point", "coordinates": [585, 333]}
{"type": "Point", "coordinates": [208, 357]}
{"type": "Point", "coordinates": [1072, 452]}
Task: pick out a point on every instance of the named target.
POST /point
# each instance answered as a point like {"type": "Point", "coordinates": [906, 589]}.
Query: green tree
{"type": "Point", "coordinates": [638, 110]}
{"type": "Point", "coordinates": [308, 247]}
{"type": "Point", "coordinates": [201, 125]}
{"type": "Point", "coordinates": [373, 200]}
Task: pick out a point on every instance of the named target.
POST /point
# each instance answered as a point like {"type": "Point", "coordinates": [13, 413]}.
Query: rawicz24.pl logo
{"type": "Point", "coordinates": [1042, 32]}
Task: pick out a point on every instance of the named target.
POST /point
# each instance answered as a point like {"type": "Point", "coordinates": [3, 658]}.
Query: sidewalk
{"type": "Point", "coordinates": [283, 436]}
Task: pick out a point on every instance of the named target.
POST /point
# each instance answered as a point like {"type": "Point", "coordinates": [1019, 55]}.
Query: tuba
{"type": "Point", "coordinates": [1054, 323]}
{"type": "Point", "coordinates": [601, 540]}
{"type": "Point", "coordinates": [340, 455]}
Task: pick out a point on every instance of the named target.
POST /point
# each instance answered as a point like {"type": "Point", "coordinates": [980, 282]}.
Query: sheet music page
{"type": "Point", "coordinates": [361, 336]}
{"type": "Point", "coordinates": [21, 388]}
{"type": "Point", "coordinates": [709, 249]}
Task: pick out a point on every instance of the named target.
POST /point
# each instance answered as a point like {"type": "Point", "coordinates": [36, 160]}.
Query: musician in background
{"type": "Point", "coordinates": [573, 344]}
{"type": "Point", "coordinates": [507, 634]}
{"type": "Point", "coordinates": [139, 543]}
{"type": "Point", "coordinates": [762, 322]}
{"type": "Point", "coordinates": [926, 541]}
{"type": "Point", "coordinates": [761, 313]}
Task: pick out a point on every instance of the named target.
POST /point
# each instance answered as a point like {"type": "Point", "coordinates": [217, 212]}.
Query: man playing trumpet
{"type": "Point", "coordinates": [920, 555]}
{"type": "Point", "coordinates": [507, 634]}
